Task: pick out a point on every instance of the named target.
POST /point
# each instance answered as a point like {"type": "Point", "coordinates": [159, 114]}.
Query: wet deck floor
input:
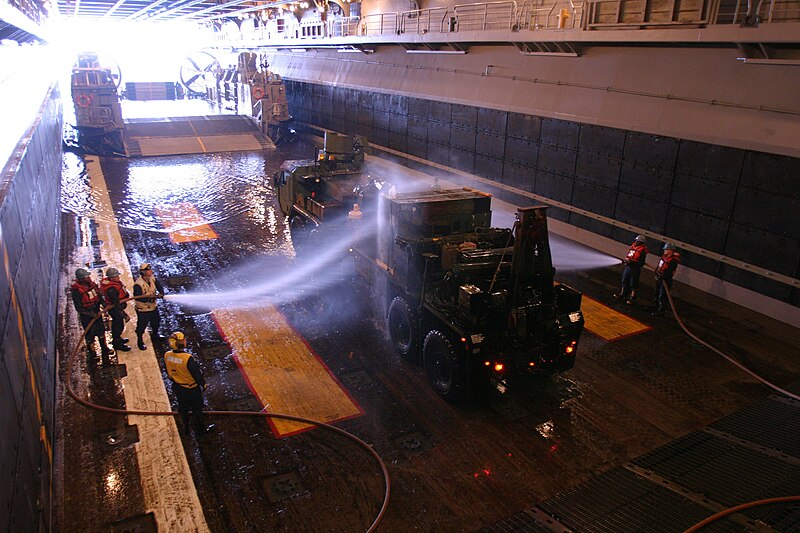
{"type": "Point", "coordinates": [452, 467]}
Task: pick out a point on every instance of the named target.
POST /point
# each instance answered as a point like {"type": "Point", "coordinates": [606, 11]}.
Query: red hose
{"type": "Point", "coordinates": [125, 412]}
{"type": "Point", "coordinates": [722, 514]}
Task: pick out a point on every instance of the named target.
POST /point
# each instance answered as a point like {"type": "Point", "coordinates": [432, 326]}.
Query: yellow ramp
{"type": "Point", "coordinates": [282, 370]}
{"type": "Point", "coordinates": [608, 323]}
{"type": "Point", "coordinates": [185, 223]}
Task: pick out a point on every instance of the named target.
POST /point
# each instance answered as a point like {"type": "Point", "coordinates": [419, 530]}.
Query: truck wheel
{"type": "Point", "coordinates": [445, 372]}
{"type": "Point", "coordinates": [403, 328]}
{"type": "Point", "coordinates": [298, 227]}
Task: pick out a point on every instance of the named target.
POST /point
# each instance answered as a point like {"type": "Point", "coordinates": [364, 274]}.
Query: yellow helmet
{"type": "Point", "coordinates": [177, 341]}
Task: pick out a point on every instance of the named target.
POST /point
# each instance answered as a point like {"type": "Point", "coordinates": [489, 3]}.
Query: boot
{"type": "Point", "coordinates": [631, 298]}
{"type": "Point", "coordinates": [91, 358]}
{"type": "Point", "coordinates": [140, 343]}
{"type": "Point", "coordinates": [121, 346]}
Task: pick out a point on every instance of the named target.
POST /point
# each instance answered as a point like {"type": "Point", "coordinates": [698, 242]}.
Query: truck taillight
{"type": "Point", "coordinates": [498, 367]}
{"type": "Point", "coordinates": [570, 347]}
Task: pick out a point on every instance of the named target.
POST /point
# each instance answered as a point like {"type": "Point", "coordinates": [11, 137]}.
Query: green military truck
{"type": "Point", "coordinates": [478, 304]}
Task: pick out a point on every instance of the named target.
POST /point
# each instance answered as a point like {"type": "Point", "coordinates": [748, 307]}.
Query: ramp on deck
{"type": "Point", "coordinates": [193, 135]}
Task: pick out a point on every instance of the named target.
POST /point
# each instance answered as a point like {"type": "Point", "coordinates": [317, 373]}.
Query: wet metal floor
{"type": "Point", "coordinates": [272, 335]}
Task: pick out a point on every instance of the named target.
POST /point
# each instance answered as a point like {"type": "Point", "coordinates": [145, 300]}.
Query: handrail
{"type": "Point", "coordinates": [538, 15]}
{"type": "Point", "coordinates": [419, 20]}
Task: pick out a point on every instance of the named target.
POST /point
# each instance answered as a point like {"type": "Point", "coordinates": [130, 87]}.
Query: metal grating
{"type": "Point", "coordinates": [772, 422]}
{"type": "Point", "coordinates": [622, 501]}
{"type": "Point", "coordinates": [519, 523]}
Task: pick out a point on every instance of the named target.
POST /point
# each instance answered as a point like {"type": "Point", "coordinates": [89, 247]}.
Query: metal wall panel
{"type": "Point", "coordinates": [718, 163]}
{"type": "Point", "coordinates": [419, 108]}
{"type": "Point", "coordinates": [519, 176]}
{"type": "Point", "coordinates": [742, 278]}
{"type": "Point", "coordinates": [598, 169]}
{"type": "Point", "coordinates": [365, 116]}
{"type": "Point", "coordinates": [524, 126]}
{"type": "Point", "coordinates": [398, 123]}
{"type": "Point", "coordinates": [339, 97]}
{"type": "Point", "coordinates": [772, 173]}
{"type": "Point", "coordinates": [557, 160]}
{"type": "Point", "coordinates": [489, 167]}
{"type": "Point", "coordinates": [417, 127]}
{"type": "Point", "coordinates": [418, 147]}
{"type": "Point", "coordinates": [704, 196]}
{"type": "Point", "coordinates": [14, 360]}
{"type": "Point", "coordinates": [9, 446]}
{"type": "Point", "coordinates": [561, 133]}
{"type": "Point", "coordinates": [366, 99]}
{"type": "Point", "coordinates": [398, 104]}
{"type": "Point", "coordinates": [594, 198]}
{"type": "Point", "coordinates": [440, 111]}
{"type": "Point", "coordinates": [769, 212]}
{"type": "Point", "coordinates": [763, 248]}
{"type": "Point", "coordinates": [492, 120]}
{"type": "Point", "coordinates": [462, 159]}
{"type": "Point", "coordinates": [380, 119]}
{"type": "Point", "coordinates": [608, 142]}
{"type": "Point", "coordinates": [553, 186]}
{"type": "Point", "coordinates": [590, 224]}
{"type": "Point", "coordinates": [462, 138]}
{"type": "Point", "coordinates": [697, 229]}
{"type": "Point", "coordinates": [439, 132]}
{"type": "Point", "coordinates": [439, 153]}
{"type": "Point", "coordinates": [464, 116]}
{"type": "Point", "coordinates": [490, 144]}
{"type": "Point", "coordinates": [522, 151]}
{"type": "Point", "coordinates": [645, 181]}
{"type": "Point", "coordinates": [382, 102]}
{"type": "Point", "coordinates": [12, 239]}
{"type": "Point", "coordinates": [353, 97]}
{"type": "Point", "coordinates": [651, 150]}
{"type": "Point", "coordinates": [648, 215]}
{"type": "Point", "coordinates": [379, 136]}
{"type": "Point", "coordinates": [398, 141]}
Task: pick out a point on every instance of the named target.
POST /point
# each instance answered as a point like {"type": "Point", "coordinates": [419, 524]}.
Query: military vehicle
{"type": "Point", "coordinates": [479, 304]}
{"type": "Point", "coordinates": [323, 190]}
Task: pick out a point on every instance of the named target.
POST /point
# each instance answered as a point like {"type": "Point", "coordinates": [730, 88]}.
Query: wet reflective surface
{"type": "Point", "coordinates": [453, 467]}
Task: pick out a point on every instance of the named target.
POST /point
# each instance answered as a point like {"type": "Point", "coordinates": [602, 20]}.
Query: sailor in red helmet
{"type": "Point", "coordinates": [115, 295]}
{"type": "Point", "coordinates": [665, 270]}
{"type": "Point", "coordinates": [634, 261]}
{"type": "Point", "coordinates": [87, 300]}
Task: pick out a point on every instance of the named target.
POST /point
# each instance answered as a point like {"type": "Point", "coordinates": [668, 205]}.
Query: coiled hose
{"type": "Point", "coordinates": [323, 425]}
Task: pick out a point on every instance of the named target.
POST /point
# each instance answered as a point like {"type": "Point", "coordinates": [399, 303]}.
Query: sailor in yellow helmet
{"type": "Point", "coordinates": [187, 383]}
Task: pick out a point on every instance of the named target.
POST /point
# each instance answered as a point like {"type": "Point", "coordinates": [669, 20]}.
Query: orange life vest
{"type": "Point", "coordinates": [636, 254]}
{"type": "Point", "coordinates": [107, 283]}
{"type": "Point", "coordinates": [90, 294]}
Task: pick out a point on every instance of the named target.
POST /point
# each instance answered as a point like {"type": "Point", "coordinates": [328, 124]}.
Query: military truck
{"type": "Point", "coordinates": [323, 190]}
{"type": "Point", "coordinates": [479, 304]}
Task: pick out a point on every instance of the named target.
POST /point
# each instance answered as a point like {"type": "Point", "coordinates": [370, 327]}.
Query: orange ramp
{"type": "Point", "coordinates": [282, 370]}
{"type": "Point", "coordinates": [185, 223]}
{"type": "Point", "coordinates": [607, 323]}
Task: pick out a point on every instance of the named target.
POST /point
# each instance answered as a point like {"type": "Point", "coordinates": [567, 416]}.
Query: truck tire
{"type": "Point", "coordinates": [446, 373]}
{"type": "Point", "coordinates": [403, 328]}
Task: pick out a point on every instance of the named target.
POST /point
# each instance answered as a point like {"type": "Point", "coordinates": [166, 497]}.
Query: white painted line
{"type": "Point", "coordinates": [167, 484]}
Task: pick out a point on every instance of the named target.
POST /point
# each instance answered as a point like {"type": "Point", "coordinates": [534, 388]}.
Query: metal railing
{"type": "Point", "coordinates": [485, 16]}
{"type": "Point", "coordinates": [543, 15]}
{"type": "Point", "coordinates": [344, 26]}
{"type": "Point", "coordinates": [422, 21]}
{"type": "Point", "coordinates": [380, 24]}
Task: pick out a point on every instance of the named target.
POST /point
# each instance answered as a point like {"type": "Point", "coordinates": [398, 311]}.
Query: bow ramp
{"type": "Point", "coordinates": [193, 135]}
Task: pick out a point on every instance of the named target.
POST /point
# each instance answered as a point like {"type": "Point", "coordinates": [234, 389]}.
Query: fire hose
{"type": "Point", "coordinates": [741, 507]}
{"type": "Point", "coordinates": [323, 425]}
